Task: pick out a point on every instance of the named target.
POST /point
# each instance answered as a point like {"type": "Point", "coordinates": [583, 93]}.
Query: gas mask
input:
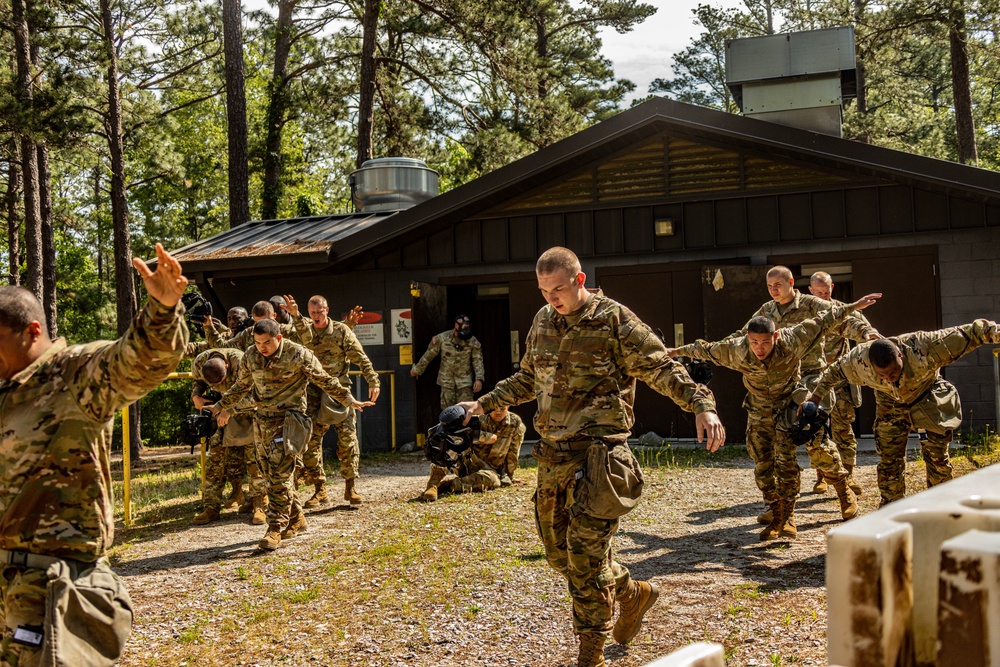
{"type": "Point", "coordinates": [464, 328]}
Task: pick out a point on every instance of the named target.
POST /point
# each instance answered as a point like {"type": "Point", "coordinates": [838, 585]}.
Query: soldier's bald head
{"type": "Point", "coordinates": [263, 309]}
{"type": "Point", "coordinates": [780, 272]}
{"type": "Point", "coordinates": [19, 308]}
{"type": "Point", "coordinates": [318, 300]}
{"type": "Point", "coordinates": [883, 353]}
{"type": "Point", "coordinates": [215, 370]}
{"type": "Point", "coordinates": [238, 311]}
{"type": "Point", "coordinates": [821, 278]}
{"type": "Point", "coordinates": [556, 259]}
{"type": "Point", "coordinates": [267, 327]}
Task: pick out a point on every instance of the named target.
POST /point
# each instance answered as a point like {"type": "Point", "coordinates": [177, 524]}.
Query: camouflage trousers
{"type": "Point", "coordinates": [23, 595]}
{"type": "Point", "coordinates": [823, 455]}
{"type": "Point", "coordinates": [892, 430]}
{"type": "Point", "coordinates": [510, 464]}
{"type": "Point", "coordinates": [578, 547]}
{"type": "Point", "coordinates": [222, 464]}
{"type": "Point", "coordinates": [278, 467]}
{"type": "Point", "coordinates": [483, 479]}
{"type": "Point", "coordinates": [762, 423]}
{"type": "Point", "coordinates": [841, 418]}
{"type": "Point", "coordinates": [348, 451]}
{"type": "Point", "coordinates": [453, 395]}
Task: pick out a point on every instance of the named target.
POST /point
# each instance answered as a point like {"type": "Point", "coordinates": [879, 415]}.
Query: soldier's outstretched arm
{"type": "Point", "coordinates": [313, 370]}
{"type": "Point", "coordinates": [433, 350]}
{"type": "Point", "coordinates": [945, 346]}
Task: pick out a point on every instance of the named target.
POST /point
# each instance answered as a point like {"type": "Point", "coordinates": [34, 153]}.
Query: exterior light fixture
{"type": "Point", "coordinates": [664, 227]}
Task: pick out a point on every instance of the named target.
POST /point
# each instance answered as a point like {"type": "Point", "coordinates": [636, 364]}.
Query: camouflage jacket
{"type": "Point", "coordinates": [924, 353]}
{"type": "Point", "coordinates": [460, 360]}
{"type": "Point", "coordinates": [337, 347]}
{"type": "Point", "coordinates": [279, 381]}
{"type": "Point", "coordinates": [55, 493]}
{"type": "Point", "coordinates": [776, 376]}
{"type": "Point", "coordinates": [836, 346]}
{"type": "Point", "coordinates": [509, 432]}
{"type": "Point", "coordinates": [194, 348]}
{"type": "Point", "coordinates": [804, 307]}
{"type": "Point", "coordinates": [199, 385]}
{"type": "Point", "coordinates": [583, 374]}
{"type": "Point", "coordinates": [244, 339]}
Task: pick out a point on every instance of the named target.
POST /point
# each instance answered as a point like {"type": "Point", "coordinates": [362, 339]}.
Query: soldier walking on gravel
{"type": "Point", "coordinates": [582, 357]}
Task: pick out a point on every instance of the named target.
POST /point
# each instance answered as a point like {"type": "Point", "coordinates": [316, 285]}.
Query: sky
{"type": "Point", "coordinates": [645, 53]}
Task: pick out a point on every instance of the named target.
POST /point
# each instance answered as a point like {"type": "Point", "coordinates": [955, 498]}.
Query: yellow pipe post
{"type": "Point", "coordinates": [127, 466]}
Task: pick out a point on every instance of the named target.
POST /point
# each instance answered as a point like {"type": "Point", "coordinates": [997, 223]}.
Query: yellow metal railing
{"type": "Point", "coordinates": [126, 439]}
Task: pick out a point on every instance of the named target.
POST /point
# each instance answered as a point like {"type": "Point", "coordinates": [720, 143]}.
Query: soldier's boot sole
{"type": "Point", "coordinates": [430, 495]}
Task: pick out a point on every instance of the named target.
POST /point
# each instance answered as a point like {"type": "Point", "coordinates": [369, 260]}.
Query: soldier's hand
{"type": "Point", "coordinates": [414, 374]}
{"type": "Point", "coordinates": [290, 306]}
{"type": "Point", "coordinates": [477, 386]}
{"type": "Point", "coordinates": [671, 352]}
{"type": "Point", "coordinates": [709, 428]}
{"type": "Point", "coordinates": [223, 418]}
{"type": "Point", "coordinates": [867, 300]}
{"type": "Point", "coordinates": [361, 405]}
{"type": "Point", "coordinates": [355, 315]}
{"type": "Point", "coordinates": [167, 283]}
{"type": "Point", "coordinates": [199, 402]}
{"type": "Point", "coordinates": [874, 336]}
{"type": "Point", "coordinates": [472, 408]}
{"type": "Point", "coordinates": [373, 393]}
{"type": "Point", "coordinates": [208, 322]}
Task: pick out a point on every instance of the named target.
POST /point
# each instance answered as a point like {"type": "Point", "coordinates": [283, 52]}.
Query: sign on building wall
{"type": "Point", "coordinates": [402, 326]}
{"type": "Point", "coordinates": [371, 330]}
{"type": "Point", "coordinates": [405, 355]}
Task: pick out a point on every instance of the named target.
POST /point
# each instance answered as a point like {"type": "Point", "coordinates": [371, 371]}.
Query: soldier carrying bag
{"type": "Point", "coordinates": [610, 483]}
{"type": "Point", "coordinates": [88, 618]}
{"type": "Point", "coordinates": [331, 411]}
{"type": "Point", "coordinates": [938, 410]}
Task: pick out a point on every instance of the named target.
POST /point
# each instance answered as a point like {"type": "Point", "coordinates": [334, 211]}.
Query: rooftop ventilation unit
{"type": "Point", "coordinates": [799, 79]}
{"type": "Point", "coordinates": [392, 184]}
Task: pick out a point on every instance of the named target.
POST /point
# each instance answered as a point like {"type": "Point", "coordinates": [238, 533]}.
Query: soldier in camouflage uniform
{"type": "Point", "coordinates": [260, 311]}
{"type": "Point", "coordinates": [336, 347]}
{"type": "Point", "coordinates": [769, 361]}
{"type": "Point", "coordinates": [462, 371]}
{"type": "Point", "coordinates": [582, 357]}
{"type": "Point", "coordinates": [910, 393]}
{"type": "Point", "coordinates": [487, 464]}
{"type": "Point", "coordinates": [236, 315]}
{"type": "Point", "coordinates": [55, 493]}
{"type": "Point", "coordinates": [229, 448]}
{"type": "Point", "coordinates": [790, 307]}
{"type": "Point", "coordinates": [848, 400]}
{"type": "Point", "coordinates": [277, 371]}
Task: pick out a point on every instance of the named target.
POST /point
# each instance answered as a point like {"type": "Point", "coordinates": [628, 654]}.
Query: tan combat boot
{"type": "Point", "coordinates": [855, 487]}
{"type": "Point", "coordinates": [236, 498]}
{"type": "Point", "coordinates": [591, 650]}
{"type": "Point", "coordinates": [271, 539]}
{"type": "Point", "coordinates": [318, 498]}
{"type": "Point", "coordinates": [765, 517]}
{"type": "Point", "coordinates": [633, 605]}
{"type": "Point", "coordinates": [431, 494]}
{"type": "Point", "coordinates": [350, 494]}
{"type": "Point", "coordinates": [848, 501]}
{"type": "Point", "coordinates": [259, 515]}
{"type": "Point", "coordinates": [206, 515]}
{"type": "Point", "coordinates": [246, 507]}
{"type": "Point", "coordinates": [779, 510]}
{"type": "Point", "coordinates": [820, 486]}
{"type": "Point", "coordinates": [296, 525]}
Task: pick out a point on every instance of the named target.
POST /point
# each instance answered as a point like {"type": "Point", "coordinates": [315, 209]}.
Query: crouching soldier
{"type": "Point", "coordinates": [503, 454]}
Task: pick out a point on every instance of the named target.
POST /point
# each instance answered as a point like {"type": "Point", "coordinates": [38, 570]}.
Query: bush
{"type": "Point", "coordinates": [163, 410]}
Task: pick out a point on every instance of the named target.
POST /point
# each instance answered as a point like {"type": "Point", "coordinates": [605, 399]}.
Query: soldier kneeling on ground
{"type": "Point", "coordinates": [460, 455]}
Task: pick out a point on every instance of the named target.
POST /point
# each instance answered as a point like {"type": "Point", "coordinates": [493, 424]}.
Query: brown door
{"type": "Point", "coordinates": [430, 317]}
{"type": "Point", "coordinates": [731, 294]}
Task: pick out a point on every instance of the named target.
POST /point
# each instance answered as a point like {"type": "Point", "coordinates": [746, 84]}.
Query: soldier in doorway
{"type": "Point", "coordinates": [462, 371]}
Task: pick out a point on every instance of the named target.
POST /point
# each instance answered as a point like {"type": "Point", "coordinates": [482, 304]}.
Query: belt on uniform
{"type": "Point", "coordinates": [38, 561]}
{"type": "Point", "coordinates": [266, 414]}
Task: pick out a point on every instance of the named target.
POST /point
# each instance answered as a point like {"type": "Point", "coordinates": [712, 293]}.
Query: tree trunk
{"type": "Point", "coordinates": [276, 107]}
{"type": "Point", "coordinates": [366, 94]}
{"type": "Point", "coordinates": [124, 281]}
{"type": "Point", "coordinates": [965, 126]}
{"type": "Point", "coordinates": [48, 241]}
{"type": "Point", "coordinates": [236, 113]}
{"type": "Point", "coordinates": [13, 219]}
{"type": "Point", "coordinates": [29, 157]}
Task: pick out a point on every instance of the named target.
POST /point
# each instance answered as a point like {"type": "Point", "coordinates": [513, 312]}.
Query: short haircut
{"type": "Point", "coordinates": [557, 258]}
{"type": "Point", "coordinates": [821, 277]}
{"type": "Point", "coordinates": [882, 353]}
{"type": "Point", "coordinates": [238, 311]}
{"type": "Point", "coordinates": [19, 308]}
{"type": "Point", "coordinates": [780, 271]}
{"type": "Point", "coordinates": [214, 370]}
{"type": "Point", "coordinates": [267, 327]}
{"type": "Point", "coordinates": [760, 325]}
{"type": "Point", "coordinates": [318, 300]}
{"type": "Point", "coordinates": [263, 309]}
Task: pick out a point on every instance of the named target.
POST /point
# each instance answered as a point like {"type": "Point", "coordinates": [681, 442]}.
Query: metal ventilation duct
{"type": "Point", "coordinates": [392, 184]}
{"type": "Point", "coordinates": [799, 79]}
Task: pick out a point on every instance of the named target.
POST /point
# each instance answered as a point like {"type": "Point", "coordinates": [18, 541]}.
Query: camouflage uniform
{"type": "Point", "coordinates": [461, 365]}
{"type": "Point", "coordinates": [219, 336]}
{"type": "Point", "coordinates": [770, 383]}
{"type": "Point", "coordinates": [582, 370]}
{"type": "Point", "coordinates": [227, 462]}
{"type": "Point", "coordinates": [921, 398]}
{"type": "Point", "coordinates": [504, 452]}
{"type": "Point", "coordinates": [801, 308]}
{"type": "Point", "coordinates": [337, 348]}
{"type": "Point", "coordinates": [55, 493]}
{"type": "Point", "coordinates": [279, 383]}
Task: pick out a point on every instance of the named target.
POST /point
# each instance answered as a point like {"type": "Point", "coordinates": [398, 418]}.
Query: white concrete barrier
{"type": "Point", "coordinates": [884, 572]}
{"type": "Point", "coordinates": [701, 654]}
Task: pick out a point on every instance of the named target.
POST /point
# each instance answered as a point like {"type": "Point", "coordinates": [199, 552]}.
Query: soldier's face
{"type": "Point", "coordinates": [235, 317]}
{"type": "Point", "coordinates": [319, 314]}
{"type": "Point", "coordinates": [563, 291]}
{"type": "Point", "coordinates": [13, 350]}
{"type": "Point", "coordinates": [821, 290]}
{"type": "Point", "coordinates": [762, 344]}
{"type": "Point", "coordinates": [781, 289]}
{"type": "Point", "coordinates": [892, 372]}
{"type": "Point", "coordinates": [266, 345]}
{"type": "Point", "coordinates": [498, 415]}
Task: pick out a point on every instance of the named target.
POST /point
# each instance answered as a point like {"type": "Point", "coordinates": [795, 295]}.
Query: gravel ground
{"type": "Point", "coordinates": [472, 587]}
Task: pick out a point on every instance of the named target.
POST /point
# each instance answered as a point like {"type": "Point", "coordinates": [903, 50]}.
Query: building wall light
{"type": "Point", "coordinates": [664, 227]}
